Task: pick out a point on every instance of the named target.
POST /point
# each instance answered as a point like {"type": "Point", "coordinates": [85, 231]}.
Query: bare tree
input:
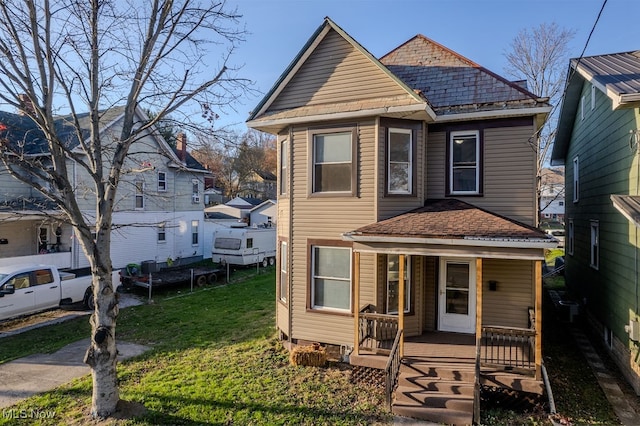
{"type": "Point", "coordinates": [73, 57]}
{"type": "Point", "coordinates": [540, 56]}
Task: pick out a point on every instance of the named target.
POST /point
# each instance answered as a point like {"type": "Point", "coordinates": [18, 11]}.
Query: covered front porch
{"type": "Point", "coordinates": [453, 306]}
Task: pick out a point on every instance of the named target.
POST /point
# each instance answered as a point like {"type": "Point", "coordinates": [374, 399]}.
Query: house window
{"type": "Point", "coordinates": [195, 191]}
{"type": "Point", "coordinates": [464, 166]}
{"type": "Point", "coordinates": [393, 274]}
{"type": "Point", "coordinates": [284, 281]}
{"type": "Point", "coordinates": [284, 177]}
{"type": "Point", "coordinates": [561, 203]}
{"type": "Point", "coordinates": [582, 102]}
{"type": "Point", "coordinates": [333, 166]}
{"type": "Point", "coordinates": [400, 161]}
{"type": "Point", "coordinates": [331, 278]}
{"type": "Point", "coordinates": [595, 244]}
{"type": "Point", "coordinates": [593, 97]}
{"type": "Point", "coordinates": [576, 180]}
{"type": "Point", "coordinates": [194, 232]}
{"type": "Point", "coordinates": [570, 237]}
{"type": "Point", "coordinates": [162, 181]}
{"type": "Point", "coordinates": [162, 233]}
{"type": "Point", "coordinates": [139, 194]}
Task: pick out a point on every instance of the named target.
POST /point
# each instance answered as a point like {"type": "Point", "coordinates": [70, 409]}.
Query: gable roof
{"type": "Point", "coordinates": [436, 84]}
{"type": "Point", "coordinates": [452, 222]}
{"type": "Point", "coordinates": [405, 99]}
{"type": "Point", "coordinates": [617, 75]}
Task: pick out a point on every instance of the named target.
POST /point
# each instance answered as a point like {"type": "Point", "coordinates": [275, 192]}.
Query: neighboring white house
{"type": "Point", "coordinates": [552, 195]}
{"type": "Point", "coordinates": [158, 213]}
{"type": "Point", "coordinates": [265, 213]}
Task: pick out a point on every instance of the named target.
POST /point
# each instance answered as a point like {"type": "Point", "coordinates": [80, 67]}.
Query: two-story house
{"type": "Point", "coordinates": [158, 211]}
{"type": "Point", "coordinates": [407, 212]}
{"type": "Point", "coordinates": [597, 141]}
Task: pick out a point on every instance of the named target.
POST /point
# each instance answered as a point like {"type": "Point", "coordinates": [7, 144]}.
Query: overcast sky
{"type": "Point", "coordinates": [480, 30]}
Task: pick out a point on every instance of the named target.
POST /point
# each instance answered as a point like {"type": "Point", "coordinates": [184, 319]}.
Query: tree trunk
{"type": "Point", "coordinates": [101, 356]}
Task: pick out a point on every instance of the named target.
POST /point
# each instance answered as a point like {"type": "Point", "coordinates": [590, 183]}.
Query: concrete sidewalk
{"type": "Point", "coordinates": [38, 373]}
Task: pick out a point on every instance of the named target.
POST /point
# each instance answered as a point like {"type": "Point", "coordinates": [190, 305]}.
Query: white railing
{"type": "Point", "coordinates": [60, 259]}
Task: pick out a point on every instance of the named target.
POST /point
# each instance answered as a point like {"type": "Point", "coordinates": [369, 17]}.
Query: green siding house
{"type": "Point", "coordinates": [597, 141]}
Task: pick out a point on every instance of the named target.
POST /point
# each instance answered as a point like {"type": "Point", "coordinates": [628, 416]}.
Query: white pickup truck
{"type": "Point", "coordinates": [26, 289]}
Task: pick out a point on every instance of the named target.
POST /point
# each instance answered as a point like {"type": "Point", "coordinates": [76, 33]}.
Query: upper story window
{"type": "Point", "coordinates": [162, 181]}
{"type": "Point", "coordinates": [400, 161]}
{"type": "Point", "coordinates": [593, 97]}
{"type": "Point", "coordinates": [195, 196]}
{"type": "Point", "coordinates": [464, 163]}
{"type": "Point", "coordinates": [582, 107]}
{"type": "Point", "coordinates": [139, 194]}
{"type": "Point", "coordinates": [570, 237]}
{"type": "Point", "coordinates": [576, 180]}
{"type": "Point", "coordinates": [333, 167]}
{"type": "Point", "coordinates": [284, 158]}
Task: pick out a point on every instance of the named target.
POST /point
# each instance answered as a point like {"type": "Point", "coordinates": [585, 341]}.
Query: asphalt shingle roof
{"type": "Point", "coordinates": [452, 219]}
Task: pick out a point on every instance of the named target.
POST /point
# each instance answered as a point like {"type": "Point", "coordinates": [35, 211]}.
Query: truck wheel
{"type": "Point", "coordinates": [272, 261]}
{"type": "Point", "coordinates": [265, 262]}
{"type": "Point", "coordinates": [201, 281]}
{"type": "Point", "coordinates": [212, 278]}
{"type": "Point", "coordinates": [89, 303]}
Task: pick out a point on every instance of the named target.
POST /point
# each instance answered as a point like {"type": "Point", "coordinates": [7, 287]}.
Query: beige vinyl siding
{"type": "Point", "coordinates": [336, 72]}
{"type": "Point", "coordinates": [282, 317]}
{"type": "Point", "coordinates": [392, 205]}
{"type": "Point", "coordinates": [509, 172]}
{"type": "Point", "coordinates": [508, 305]}
{"type": "Point", "coordinates": [327, 218]}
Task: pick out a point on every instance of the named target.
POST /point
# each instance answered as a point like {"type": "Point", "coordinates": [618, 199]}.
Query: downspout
{"type": "Point", "coordinates": [290, 236]}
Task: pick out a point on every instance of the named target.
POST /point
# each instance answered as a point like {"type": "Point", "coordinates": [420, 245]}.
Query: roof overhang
{"type": "Point", "coordinates": [27, 215]}
{"type": "Point", "coordinates": [502, 113]}
{"type": "Point", "coordinates": [629, 206]}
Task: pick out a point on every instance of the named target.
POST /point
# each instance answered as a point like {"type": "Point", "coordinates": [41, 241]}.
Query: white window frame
{"type": "Point", "coordinates": [284, 160]}
{"type": "Point", "coordinates": [582, 107]}
{"type": "Point", "coordinates": [195, 191]}
{"type": "Point", "coordinates": [313, 277]}
{"type": "Point", "coordinates": [408, 163]}
{"type": "Point", "coordinates": [570, 236]}
{"type": "Point", "coordinates": [139, 194]}
{"type": "Point", "coordinates": [407, 284]}
{"type": "Point", "coordinates": [576, 179]}
{"type": "Point", "coordinates": [162, 181]}
{"type": "Point", "coordinates": [195, 238]}
{"type": "Point", "coordinates": [452, 137]}
{"type": "Point", "coordinates": [284, 276]}
{"type": "Point", "coordinates": [593, 97]}
{"type": "Point", "coordinates": [314, 134]}
{"type": "Point", "coordinates": [594, 245]}
{"type": "Point", "coordinates": [162, 233]}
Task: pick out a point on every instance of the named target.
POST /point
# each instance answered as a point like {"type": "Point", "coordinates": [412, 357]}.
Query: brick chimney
{"type": "Point", "coordinates": [26, 106]}
{"type": "Point", "coordinates": [181, 146]}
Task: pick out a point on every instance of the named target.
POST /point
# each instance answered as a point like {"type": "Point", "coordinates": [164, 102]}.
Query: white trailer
{"type": "Point", "coordinates": [244, 246]}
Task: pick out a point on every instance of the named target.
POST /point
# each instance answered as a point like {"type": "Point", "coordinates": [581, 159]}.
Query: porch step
{"type": "Point", "coordinates": [435, 391]}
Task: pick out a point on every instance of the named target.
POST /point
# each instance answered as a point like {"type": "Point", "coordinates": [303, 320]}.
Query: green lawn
{"type": "Point", "coordinates": [214, 360]}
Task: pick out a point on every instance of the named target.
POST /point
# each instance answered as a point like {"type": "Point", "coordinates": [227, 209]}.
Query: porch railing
{"type": "Point", "coordinates": [392, 369]}
{"type": "Point", "coordinates": [508, 348]}
{"type": "Point", "coordinates": [376, 332]}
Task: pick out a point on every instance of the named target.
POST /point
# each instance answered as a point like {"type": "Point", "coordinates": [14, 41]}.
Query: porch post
{"type": "Point", "coordinates": [538, 312]}
{"type": "Point", "coordinates": [401, 258]}
{"type": "Point", "coordinates": [356, 301]}
{"type": "Point", "coordinates": [476, 391]}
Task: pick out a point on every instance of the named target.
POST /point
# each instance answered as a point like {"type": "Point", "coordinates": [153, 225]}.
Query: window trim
{"type": "Point", "coordinates": [594, 244]}
{"type": "Point", "coordinates": [593, 97]}
{"type": "Point", "coordinates": [162, 230]}
{"type": "Point", "coordinates": [576, 179]}
{"type": "Point", "coordinates": [138, 194]}
{"type": "Point", "coordinates": [162, 183]}
{"type": "Point", "coordinates": [283, 248]}
{"type": "Point", "coordinates": [479, 162]}
{"type": "Point", "coordinates": [195, 234]}
{"type": "Point", "coordinates": [412, 161]}
{"type": "Point", "coordinates": [570, 240]}
{"type": "Point", "coordinates": [311, 134]}
{"type": "Point", "coordinates": [311, 244]}
{"type": "Point", "coordinates": [284, 169]}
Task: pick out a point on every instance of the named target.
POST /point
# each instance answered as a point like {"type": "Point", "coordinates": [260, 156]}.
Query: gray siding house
{"type": "Point", "coordinates": [597, 141]}
{"type": "Point", "coordinates": [406, 214]}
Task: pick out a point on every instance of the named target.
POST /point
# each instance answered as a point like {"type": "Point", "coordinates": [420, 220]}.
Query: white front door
{"type": "Point", "coordinates": [457, 295]}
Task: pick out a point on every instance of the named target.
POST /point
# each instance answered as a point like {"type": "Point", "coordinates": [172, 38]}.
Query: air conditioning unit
{"type": "Point", "coordinates": [195, 199]}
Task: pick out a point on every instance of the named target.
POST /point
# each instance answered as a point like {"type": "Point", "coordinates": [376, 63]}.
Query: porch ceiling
{"type": "Point", "coordinates": [455, 227]}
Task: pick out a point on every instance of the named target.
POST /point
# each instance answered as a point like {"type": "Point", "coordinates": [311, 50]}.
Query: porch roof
{"type": "Point", "coordinates": [451, 222]}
